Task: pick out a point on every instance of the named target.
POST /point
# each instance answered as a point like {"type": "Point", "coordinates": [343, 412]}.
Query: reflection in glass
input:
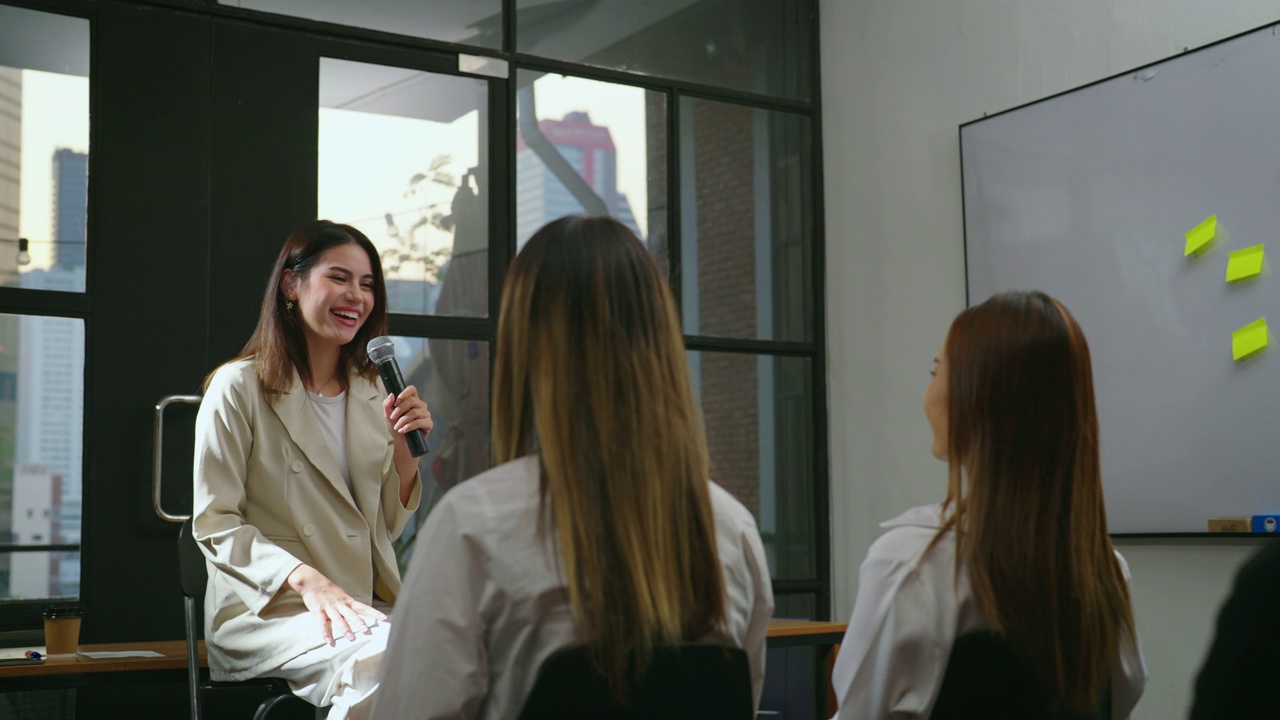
{"type": "Point", "coordinates": [746, 232]}
{"type": "Point", "coordinates": [401, 158]}
{"type": "Point", "coordinates": [758, 412]}
{"type": "Point", "coordinates": [44, 150]}
{"type": "Point", "coordinates": [593, 147]}
{"type": "Point", "coordinates": [474, 22]}
{"type": "Point", "coordinates": [760, 46]}
{"type": "Point", "coordinates": [41, 450]}
{"type": "Point", "coordinates": [453, 377]}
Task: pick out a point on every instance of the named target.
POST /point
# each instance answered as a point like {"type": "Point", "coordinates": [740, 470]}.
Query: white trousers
{"type": "Point", "coordinates": [341, 679]}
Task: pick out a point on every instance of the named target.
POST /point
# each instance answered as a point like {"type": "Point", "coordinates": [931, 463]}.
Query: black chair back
{"type": "Point", "coordinates": [686, 682]}
{"type": "Point", "coordinates": [264, 697]}
{"type": "Point", "coordinates": [985, 679]}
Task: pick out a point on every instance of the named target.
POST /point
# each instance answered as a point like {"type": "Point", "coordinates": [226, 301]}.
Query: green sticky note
{"type": "Point", "coordinates": [1244, 263]}
{"type": "Point", "coordinates": [1249, 340]}
{"type": "Point", "coordinates": [1199, 237]}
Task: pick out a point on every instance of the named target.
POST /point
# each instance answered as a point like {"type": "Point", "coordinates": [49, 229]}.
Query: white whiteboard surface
{"type": "Point", "coordinates": [1086, 196]}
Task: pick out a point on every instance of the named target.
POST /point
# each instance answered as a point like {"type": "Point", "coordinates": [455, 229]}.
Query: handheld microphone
{"type": "Point", "coordinates": [383, 354]}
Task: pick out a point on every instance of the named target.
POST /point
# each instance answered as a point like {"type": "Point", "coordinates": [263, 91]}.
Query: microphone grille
{"type": "Point", "coordinates": [381, 349]}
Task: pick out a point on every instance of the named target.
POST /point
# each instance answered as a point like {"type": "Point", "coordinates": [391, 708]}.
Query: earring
{"type": "Point", "coordinates": [288, 305]}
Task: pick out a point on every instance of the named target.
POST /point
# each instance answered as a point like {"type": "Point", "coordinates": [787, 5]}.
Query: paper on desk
{"type": "Point", "coordinates": [104, 654]}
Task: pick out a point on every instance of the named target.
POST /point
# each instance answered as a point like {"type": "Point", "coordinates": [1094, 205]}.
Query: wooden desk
{"type": "Point", "coordinates": [824, 637]}
{"type": "Point", "coordinates": [792, 633]}
{"type": "Point", "coordinates": [73, 670]}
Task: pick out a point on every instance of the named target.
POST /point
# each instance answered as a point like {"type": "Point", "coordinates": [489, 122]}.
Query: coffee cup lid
{"type": "Point", "coordinates": [64, 610]}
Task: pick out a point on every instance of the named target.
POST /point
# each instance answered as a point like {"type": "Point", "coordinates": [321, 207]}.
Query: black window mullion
{"type": "Point", "coordinates": [53, 303]}
{"type": "Point", "coordinates": [818, 378]}
{"type": "Point", "coordinates": [441, 326]}
{"type": "Point", "coordinates": [675, 268]}
{"type": "Point", "coordinates": [650, 82]}
{"type": "Point", "coordinates": [755, 347]}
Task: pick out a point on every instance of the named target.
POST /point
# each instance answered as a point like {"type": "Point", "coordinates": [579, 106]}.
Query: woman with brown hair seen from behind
{"type": "Point", "coordinates": [598, 525]}
{"type": "Point", "coordinates": [1020, 545]}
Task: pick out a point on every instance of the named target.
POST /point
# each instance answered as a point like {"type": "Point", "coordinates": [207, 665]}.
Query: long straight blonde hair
{"type": "Point", "coordinates": [1031, 523]}
{"type": "Point", "coordinates": [591, 376]}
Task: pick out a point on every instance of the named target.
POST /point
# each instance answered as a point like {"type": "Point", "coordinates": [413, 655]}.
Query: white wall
{"type": "Point", "coordinates": [899, 77]}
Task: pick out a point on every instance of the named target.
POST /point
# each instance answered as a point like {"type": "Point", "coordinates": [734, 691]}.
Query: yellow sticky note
{"type": "Point", "coordinates": [1199, 237]}
{"type": "Point", "coordinates": [1249, 340]}
{"type": "Point", "coordinates": [1244, 263]}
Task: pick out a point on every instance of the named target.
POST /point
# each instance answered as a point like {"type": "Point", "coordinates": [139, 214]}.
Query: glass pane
{"type": "Point", "coordinates": [758, 411]}
{"type": "Point", "coordinates": [593, 147]}
{"type": "Point", "coordinates": [41, 409]}
{"type": "Point", "coordinates": [44, 149]}
{"type": "Point", "coordinates": [474, 22]}
{"type": "Point", "coordinates": [403, 157]}
{"type": "Point", "coordinates": [745, 228]}
{"type": "Point", "coordinates": [453, 377]}
{"type": "Point", "coordinates": [760, 46]}
{"type": "Point", "coordinates": [795, 607]}
{"type": "Point", "coordinates": [40, 574]}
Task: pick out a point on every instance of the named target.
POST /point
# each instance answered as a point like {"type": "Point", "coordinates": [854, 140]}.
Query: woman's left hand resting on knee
{"type": "Point", "coordinates": [339, 613]}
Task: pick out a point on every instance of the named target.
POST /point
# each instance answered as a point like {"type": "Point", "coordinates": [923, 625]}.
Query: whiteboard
{"type": "Point", "coordinates": [1087, 196]}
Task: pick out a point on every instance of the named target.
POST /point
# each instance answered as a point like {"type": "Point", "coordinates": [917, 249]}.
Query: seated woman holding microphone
{"type": "Point", "coordinates": [599, 525]}
{"type": "Point", "coordinates": [1020, 545]}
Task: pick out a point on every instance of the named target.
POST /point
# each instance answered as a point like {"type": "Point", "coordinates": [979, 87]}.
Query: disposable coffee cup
{"type": "Point", "coordinates": [62, 629]}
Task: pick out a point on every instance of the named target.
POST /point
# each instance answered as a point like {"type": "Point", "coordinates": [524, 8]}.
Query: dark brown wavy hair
{"type": "Point", "coordinates": [278, 345]}
{"type": "Point", "coordinates": [1030, 520]}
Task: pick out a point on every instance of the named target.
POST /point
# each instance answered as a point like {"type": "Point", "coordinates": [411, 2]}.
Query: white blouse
{"type": "Point", "coordinates": [483, 605]}
{"type": "Point", "coordinates": [907, 616]}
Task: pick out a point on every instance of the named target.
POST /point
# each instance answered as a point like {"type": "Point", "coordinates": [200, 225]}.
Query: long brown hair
{"type": "Point", "coordinates": [1031, 524]}
{"type": "Point", "coordinates": [278, 345]}
{"type": "Point", "coordinates": [591, 376]}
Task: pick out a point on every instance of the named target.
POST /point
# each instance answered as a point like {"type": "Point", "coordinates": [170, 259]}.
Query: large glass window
{"type": "Point", "coordinates": [453, 376]}
{"type": "Point", "coordinates": [586, 146]}
{"type": "Point", "coordinates": [44, 150]}
{"type": "Point", "coordinates": [473, 22]}
{"type": "Point", "coordinates": [758, 412]}
{"type": "Point", "coordinates": [41, 455]}
{"type": "Point", "coordinates": [401, 158]}
{"type": "Point", "coordinates": [746, 222]}
{"type": "Point", "coordinates": [760, 46]}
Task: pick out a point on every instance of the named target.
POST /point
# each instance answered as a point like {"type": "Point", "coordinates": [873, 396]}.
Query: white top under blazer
{"type": "Point", "coordinates": [908, 614]}
{"type": "Point", "coordinates": [483, 605]}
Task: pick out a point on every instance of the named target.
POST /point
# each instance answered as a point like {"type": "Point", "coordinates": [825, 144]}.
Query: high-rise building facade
{"type": "Point", "coordinates": [50, 407]}
{"type": "Point", "coordinates": [590, 151]}
{"type": "Point", "coordinates": [10, 231]}
{"type": "Point", "coordinates": [70, 207]}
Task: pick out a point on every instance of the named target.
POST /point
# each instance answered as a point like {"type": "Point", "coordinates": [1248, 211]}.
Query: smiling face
{"type": "Point", "coordinates": [935, 405]}
{"type": "Point", "coordinates": [335, 296]}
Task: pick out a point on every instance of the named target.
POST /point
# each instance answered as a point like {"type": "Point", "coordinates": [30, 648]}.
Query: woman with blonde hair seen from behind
{"type": "Point", "coordinates": [1020, 545]}
{"type": "Point", "coordinates": [598, 525]}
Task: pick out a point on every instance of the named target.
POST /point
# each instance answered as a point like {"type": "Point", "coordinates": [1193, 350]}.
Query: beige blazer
{"type": "Point", "coordinates": [269, 495]}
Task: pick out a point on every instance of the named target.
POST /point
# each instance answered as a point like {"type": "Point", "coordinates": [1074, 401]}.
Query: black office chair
{"type": "Point", "coordinates": [687, 682]}
{"type": "Point", "coordinates": [268, 698]}
{"type": "Point", "coordinates": [985, 679]}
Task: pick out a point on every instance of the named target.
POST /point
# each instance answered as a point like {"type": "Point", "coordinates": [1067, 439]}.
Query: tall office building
{"type": "Point", "coordinates": [70, 207]}
{"type": "Point", "coordinates": [10, 211]}
{"type": "Point", "coordinates": [590, 151]}
{"type": "Point", "coordinates": [51, 408]}
{"type": "Point", "coordinates": [36, 497]}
